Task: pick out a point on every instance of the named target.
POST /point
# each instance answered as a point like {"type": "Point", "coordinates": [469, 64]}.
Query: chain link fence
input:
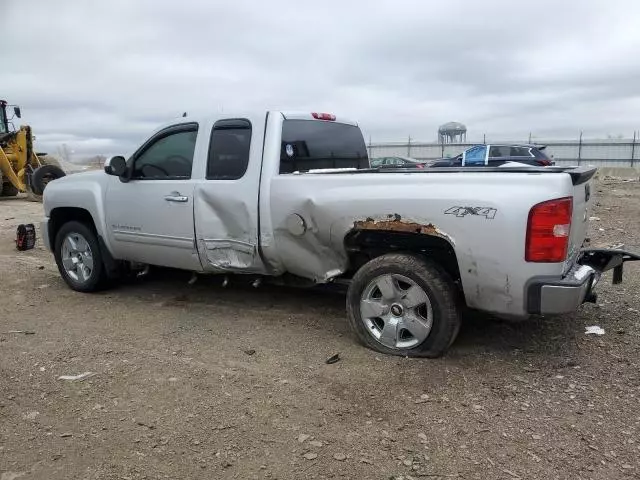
{"type": "Point", "coordinates": [603, 153]}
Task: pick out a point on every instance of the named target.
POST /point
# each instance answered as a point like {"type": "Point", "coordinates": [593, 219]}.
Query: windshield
{"type": "Point", "coordinates": [311, 145]}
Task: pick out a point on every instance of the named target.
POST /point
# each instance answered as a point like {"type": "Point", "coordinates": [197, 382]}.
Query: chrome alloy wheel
{"type": "Point", "coordinates": [396, 311]}
{"type": "Point", "coordinates": [77, 258]}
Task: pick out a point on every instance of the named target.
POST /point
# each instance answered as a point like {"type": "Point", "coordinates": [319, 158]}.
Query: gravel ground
{"type": "Point", "coordinates": [200, 381]}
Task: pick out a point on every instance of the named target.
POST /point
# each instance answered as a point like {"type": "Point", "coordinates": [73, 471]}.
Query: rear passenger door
{"type": "Point", "coordinates": [226, 200]}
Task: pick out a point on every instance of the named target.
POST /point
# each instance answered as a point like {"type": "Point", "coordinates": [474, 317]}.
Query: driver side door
{"type": "Point", "coordinates": [150, 216]}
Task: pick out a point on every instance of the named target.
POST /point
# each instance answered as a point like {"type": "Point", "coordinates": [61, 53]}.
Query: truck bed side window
{"type": "Point", "coordinates": [229, 149]}
{"type": "Point", "coordinates": [167, 156]}
{"type": "Point", "coordinates": [311, 145]}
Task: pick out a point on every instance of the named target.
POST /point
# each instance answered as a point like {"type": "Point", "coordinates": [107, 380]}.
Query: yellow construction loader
{"type": "Point", "coordinates": [21, 169]}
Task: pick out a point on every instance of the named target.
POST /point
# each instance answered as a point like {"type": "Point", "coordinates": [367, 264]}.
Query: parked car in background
{"type": "Point", "coordinates": [397, 162]}
{"type": "Point", "coordinates": [495, 155]}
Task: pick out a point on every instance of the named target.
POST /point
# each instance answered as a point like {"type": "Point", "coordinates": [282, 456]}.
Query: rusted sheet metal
{"type": "Point", "coordinates": [395, 223]}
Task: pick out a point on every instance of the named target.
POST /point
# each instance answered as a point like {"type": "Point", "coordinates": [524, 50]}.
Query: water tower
{"type": "Point", "coordinates": [452, 132]}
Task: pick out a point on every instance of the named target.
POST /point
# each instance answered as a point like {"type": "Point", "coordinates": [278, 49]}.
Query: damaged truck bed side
{"type": "Point", "coordinates": [290, 194]}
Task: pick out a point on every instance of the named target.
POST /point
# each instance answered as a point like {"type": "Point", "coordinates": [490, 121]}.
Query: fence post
{"type": "Point", "coordinates": [370, 149]}
{"type": "Point", "coordinates": [409, 147]}
{"type": "Point", "coordinates": [580, 148]}
{"type": "Point", "coordinates": [442, 149]}
{"type": "Point", "coordinates": [633, 147]}
{"type": "Point", "coordinates": [484, 138]}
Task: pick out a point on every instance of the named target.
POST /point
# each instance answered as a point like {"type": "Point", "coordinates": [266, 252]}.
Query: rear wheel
{"type": "Point", "coordinates": [78, 257]}
{"type": "Point", "coordinates": [402, 304]}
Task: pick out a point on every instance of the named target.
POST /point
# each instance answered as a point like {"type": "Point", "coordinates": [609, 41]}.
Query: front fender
{"type": "Point", "coordinates": [86, 191]}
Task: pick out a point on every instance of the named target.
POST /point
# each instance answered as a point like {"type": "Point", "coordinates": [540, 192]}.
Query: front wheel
{"type": "Point", "coordinates": [78, 257]}
{"type": "Point", "coordinates": [402, 304]}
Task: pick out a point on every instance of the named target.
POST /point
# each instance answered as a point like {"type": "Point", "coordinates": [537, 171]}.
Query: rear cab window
{"type": "Point", "coordinates": [318, 144]}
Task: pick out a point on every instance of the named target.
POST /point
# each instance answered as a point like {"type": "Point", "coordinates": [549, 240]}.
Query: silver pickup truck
{"type": "Point", "coordinates": [292, 196]}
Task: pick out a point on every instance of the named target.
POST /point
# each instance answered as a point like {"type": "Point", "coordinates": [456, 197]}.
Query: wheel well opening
{"type": "Point", "coordinates": [365, 245]}
{"type": "Point", "coordinates": [62, 215]}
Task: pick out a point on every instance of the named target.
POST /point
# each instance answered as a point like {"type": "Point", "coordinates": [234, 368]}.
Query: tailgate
{"type": "Point", "coordinates": [582, 198]}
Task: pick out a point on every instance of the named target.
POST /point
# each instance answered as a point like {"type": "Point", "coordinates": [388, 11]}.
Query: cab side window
{"type": "Point", "coordinates": [168, 156]}
{"type": "Point", "coordinates": [229, 149]}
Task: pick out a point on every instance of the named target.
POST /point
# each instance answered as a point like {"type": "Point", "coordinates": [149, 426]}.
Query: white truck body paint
{"type": "Point", "coordinates": [240, 225]}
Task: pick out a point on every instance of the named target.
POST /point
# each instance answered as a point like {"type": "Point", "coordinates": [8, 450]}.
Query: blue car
{"type": "Point", "coordinates": [494, 155]}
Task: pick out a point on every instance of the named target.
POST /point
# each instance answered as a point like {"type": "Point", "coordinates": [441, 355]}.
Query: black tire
{"type": "Point", "coordinates": [43, 175]}
{"type": "Point", "coordinates": [8, 190]}
{"type": "Point", "coordinates": [432, 279]}
{"type": "Point", "coordinates": [98, 278]}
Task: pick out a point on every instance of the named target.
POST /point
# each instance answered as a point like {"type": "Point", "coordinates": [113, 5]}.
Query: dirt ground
{"type": "Point", "coordinates": [200, 381]}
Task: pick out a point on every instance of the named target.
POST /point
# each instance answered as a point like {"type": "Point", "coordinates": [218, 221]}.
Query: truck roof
{"type": "Point", "coordinates": [254, 118]}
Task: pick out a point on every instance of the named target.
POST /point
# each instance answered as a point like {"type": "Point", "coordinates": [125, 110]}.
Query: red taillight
{"type": "Point", "coordinates": [324, 116]}
{"type": "Point", "coordinates": [548, 231]}
{"type": "Point", "coordinates": [544, 163]}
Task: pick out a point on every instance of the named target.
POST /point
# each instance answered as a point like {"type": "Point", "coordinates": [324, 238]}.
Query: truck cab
{"type": "Point", "coordinates": [191, 196]}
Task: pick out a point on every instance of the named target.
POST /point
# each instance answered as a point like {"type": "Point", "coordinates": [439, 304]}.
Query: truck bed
{"type": "Point", "coordinates": [578, 174]}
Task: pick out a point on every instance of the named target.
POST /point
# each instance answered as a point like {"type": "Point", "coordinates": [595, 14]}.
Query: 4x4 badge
{"type": "Point", "coordinates": [487, 212]}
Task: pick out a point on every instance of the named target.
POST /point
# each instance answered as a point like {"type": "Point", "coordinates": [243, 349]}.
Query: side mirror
{"type": "Point", "coordinates": [116, 166]}
{"type": "Point", "coordinates": [17, 112]}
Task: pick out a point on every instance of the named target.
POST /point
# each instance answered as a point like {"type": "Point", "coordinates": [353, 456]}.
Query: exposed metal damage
{"type": "Point", "coordinates": [394, 223]}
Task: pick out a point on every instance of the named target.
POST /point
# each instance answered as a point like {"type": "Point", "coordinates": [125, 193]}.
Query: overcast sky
{"type": "Point", "coordinates": [100, 75]}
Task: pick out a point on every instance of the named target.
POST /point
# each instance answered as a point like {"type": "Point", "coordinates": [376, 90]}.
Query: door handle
{"type": "Point", "coordinates": [176, 197]}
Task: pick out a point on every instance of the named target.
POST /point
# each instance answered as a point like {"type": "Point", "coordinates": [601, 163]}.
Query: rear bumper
{"type": "Point", "coordinates": [546, 296]}
{"type": "Point", "coordinates": [550, 296]}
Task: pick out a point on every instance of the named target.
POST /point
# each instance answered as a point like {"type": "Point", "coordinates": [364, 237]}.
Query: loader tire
{"type": "Point", "coordinates": [43, 175]}
{"type": "Point", "coordinates": [8, 190]}
{"type": "Point", "coordinates": [403, 304]}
